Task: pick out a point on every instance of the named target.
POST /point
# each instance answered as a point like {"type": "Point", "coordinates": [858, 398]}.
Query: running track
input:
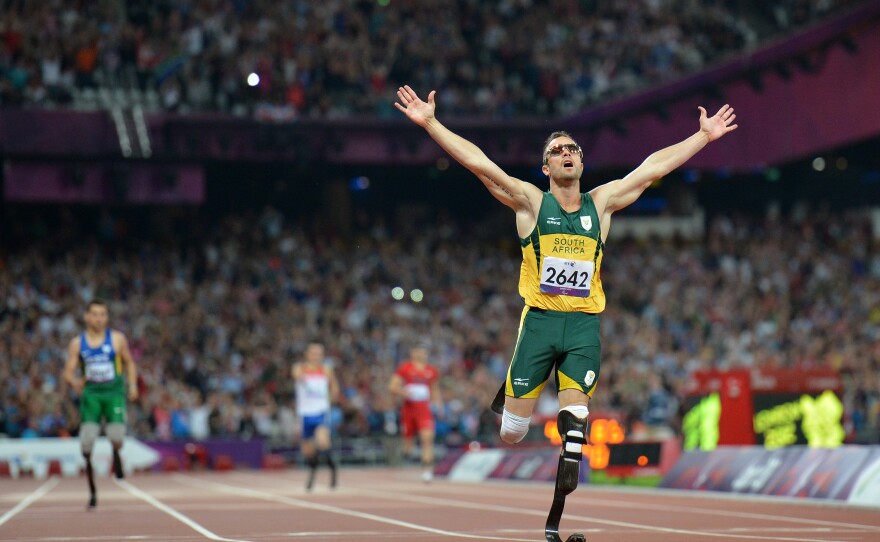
{"type": "Point", "coordinates": [386, 504]}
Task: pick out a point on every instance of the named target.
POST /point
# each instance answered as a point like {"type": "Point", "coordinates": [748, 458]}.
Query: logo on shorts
{"type": "Point", "coordinates": [520, 381]}
{"type": "Point", "coordinates": [591, 376]}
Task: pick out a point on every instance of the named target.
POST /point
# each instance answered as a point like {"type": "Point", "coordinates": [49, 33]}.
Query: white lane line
{"type": "Point", "coordinates": [93, 538]}
{"type": "Point", "coordinates": [409, 497]}
{"type": "Point", "coordinates": [731, 513]}
{"type": "Point", "coordinates": [569, 517]}
{"type": "Point", "coordinates": [336, 533]}
{"type": "Point", "coordinates": [240, 491]}
{"type": "Point", "coordinates": [173, 513]}
{"type": "Point", "coordinates": [27, 501]}
{"type": "Point", "coordinates": [586, 499]}
{"type": "Point", "coordinates": [490, 489]}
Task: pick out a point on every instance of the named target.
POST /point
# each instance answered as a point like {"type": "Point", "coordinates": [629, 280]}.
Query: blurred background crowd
{"type": "Point", "coordinates": [217, 305]}
{"type": "Point", "coordinates": [217, 315]}
{"type": "Point", "coordinates": [345, 57]}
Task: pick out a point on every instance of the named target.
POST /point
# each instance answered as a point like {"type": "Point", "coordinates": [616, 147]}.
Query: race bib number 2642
{"type": "Point", "coordinates": [566, 277]}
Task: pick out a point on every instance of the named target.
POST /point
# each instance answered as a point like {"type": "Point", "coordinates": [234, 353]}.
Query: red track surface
{"type": "Point", "coordinates": [386, 504]}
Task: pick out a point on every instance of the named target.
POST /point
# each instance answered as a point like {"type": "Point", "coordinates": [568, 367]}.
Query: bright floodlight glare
{"type": "Point", "coordinates": [397, 293]}
{"type": "Point", "coordinates": [819, 163]}
{"type": "Point", "coordinates": [416, 295]}
{"type": "Point", "coordinates": [253, 80]}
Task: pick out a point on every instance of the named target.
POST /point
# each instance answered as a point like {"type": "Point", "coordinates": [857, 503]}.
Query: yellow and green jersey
{"type": "Point", "coordinates": [561, 259]}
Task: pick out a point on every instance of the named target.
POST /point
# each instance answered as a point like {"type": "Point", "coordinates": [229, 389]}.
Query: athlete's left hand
{"type": "Point", "coordinates": [78, 384]}
{"type": "Point", "coordinates": [720, 124]}
{"type": "Point", "coordinates": [132, 393]}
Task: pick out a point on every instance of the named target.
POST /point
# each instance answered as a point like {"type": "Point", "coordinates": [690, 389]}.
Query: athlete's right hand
{"type": "Point", "coordinates": [415, 109]}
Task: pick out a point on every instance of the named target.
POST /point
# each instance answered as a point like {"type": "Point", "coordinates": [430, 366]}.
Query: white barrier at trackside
{"type": "Point", "coordinates": [34, 456]}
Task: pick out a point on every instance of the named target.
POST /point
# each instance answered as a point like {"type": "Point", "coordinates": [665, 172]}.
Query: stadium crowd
{"type": "Point", "coordinates": [216, 312]}
{"type": "Point", "coordinates": [345, 57]}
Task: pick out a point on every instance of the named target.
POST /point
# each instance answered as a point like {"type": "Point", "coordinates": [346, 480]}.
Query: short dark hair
{"type": "Point", "coordinates": [98, 302]}
{"type": "Point", "coordinates": [551, 137]}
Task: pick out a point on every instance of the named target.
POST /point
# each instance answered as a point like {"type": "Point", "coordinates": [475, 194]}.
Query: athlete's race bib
{"type": "Point", "coordinates": [100, 372]}
{"type": "Point", "coordinates": [567, 277]}
{"type": "Point", "coordinates": [418, 392]}
{"type": "Point", "coordinates": [315, 387]}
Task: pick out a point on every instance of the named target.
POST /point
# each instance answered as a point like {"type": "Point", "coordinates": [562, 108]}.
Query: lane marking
{"type": "Point", "coordinates": [490, 489]}
{"type": "Point", "coordinates": [569, 517]}
{"type": "Point", "coordinates": [410, 497]}
{"type": "Point", "coordinates": [92, 538]}
{"type": "Point", "coordinates": [595, 502]}
{"type": "Point", "coordinates": [240, 491]}
{"type": "Point", "coordinates": [173, 513]}
{"type": "Point", "coordinates": [30, 499]}
{"type": "Point", "coordinates": [732, 513]}
{"type": "Point", "coordinates": [336, 533]}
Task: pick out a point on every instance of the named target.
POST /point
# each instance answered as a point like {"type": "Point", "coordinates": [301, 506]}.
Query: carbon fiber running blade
{"type": "Point", "coordinates": [551, 529]}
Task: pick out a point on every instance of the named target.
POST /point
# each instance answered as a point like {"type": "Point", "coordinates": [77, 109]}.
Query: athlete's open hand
{"type": "Point", "coordinates": [417, 110]}
{"type": "Point", "coordinates": [720, 124]}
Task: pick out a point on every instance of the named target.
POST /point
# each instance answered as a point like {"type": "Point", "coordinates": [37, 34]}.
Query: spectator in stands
{"type": "Point", "coordinates": [660, 408]}
{"type": "Point", "coordinates": [335, 58]}
{"type": "Point", "coordinates": [215, 270]}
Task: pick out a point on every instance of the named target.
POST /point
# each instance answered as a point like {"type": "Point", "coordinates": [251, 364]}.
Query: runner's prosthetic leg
{"type": "Point", "coordinates": [88, 433]}
{"type": "Point", "coordinates": [116, 436]}
{"type": "Point", "coordinates": [90, 476]}
{"type": "Point", "coordinates": [312, 462]}
{"type": "Point", "coordinates": [498, 401]}
{"type": "Point", "coordinates": [328, 458]}
{"type": "Point", "coordinates": [117, 465]}
{"type": "Point", "coordinates": [572, 424]}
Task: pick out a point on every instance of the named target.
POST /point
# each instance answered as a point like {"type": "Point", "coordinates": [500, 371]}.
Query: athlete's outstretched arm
{"type": "Point", "coordinates": [333, 384]}
{"type": "Point", "coordinates": [437, 397]}
{"type": "Point", "coordinates": [395, 386]}
{"type": "Point", "coordinates": [506, 189]}
{"type": "Point", "coordinates": [497, 192]}
{"type": "Point", "coordinates": [618, 194]}
{"type": "Point", "coordinates": [130, 366]}
{"type": "Point", "coordinates": [70, 366]}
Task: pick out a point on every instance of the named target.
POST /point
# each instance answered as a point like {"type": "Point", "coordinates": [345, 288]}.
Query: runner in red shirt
{"type": "Point", "coordinates": [415, 381]}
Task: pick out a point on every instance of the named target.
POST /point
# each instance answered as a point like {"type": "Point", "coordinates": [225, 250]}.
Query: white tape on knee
{"type": "Point", "coordinates": [513, 427]}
